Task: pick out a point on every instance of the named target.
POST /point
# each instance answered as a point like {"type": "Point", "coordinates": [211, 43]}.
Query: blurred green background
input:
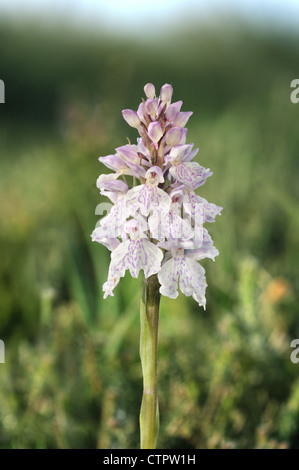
{"type": "Point", "coordinates": [72, 375]}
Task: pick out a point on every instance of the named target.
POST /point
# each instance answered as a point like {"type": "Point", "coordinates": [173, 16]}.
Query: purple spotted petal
{"type": "Point", "coordinates": [190, 173]}
{"type": "Point", "coordinates": [112, 224]}
{"type": "Point", "coordinates": [143, 197]}
{"type": "Point", "coordinates": [197, 206]}
{"type": "Point", "coordinates": [189, 274]}
{"type": "Point", "coordinates": [133, 255]}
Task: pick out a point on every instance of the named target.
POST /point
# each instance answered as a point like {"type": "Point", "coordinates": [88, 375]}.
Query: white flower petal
{"type": "Point", "coordinates": [179, 228]}
{"type": "Point", "coordinates": [169, 224]}
{"type": "Point", "coordinates": [189, 273]}
{"type": "Point", "coordinates": [145, 196]}
{"type": "Point", "coordinates": [159, 223]}
{"type": "Point", "coordinates": [199, 208]}
{"type": "Point", "coordinates": [112, 224]}
{"type": "Point", "coordinates": [168, 278]}
{"type": "Point", "coordinates": [193, 281]}
{"type": "Point", "coordinates": [109, 285]}
{"type": "Point", "coordinates": [193, 205]}
{"type": "Point", "coordinates": [190, 173]}
{"type": "Point", "coordinates": [134, 255]}
{"type": "Point", "coordinates": [99, 235]}
{"type": "Point", "coordinates": [205, 251]}
{"type": "Point", "coordinates": [153, 260]}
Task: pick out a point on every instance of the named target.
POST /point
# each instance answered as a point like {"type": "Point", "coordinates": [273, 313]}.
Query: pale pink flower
{"type": "Point", "coordinates": [156, 225]}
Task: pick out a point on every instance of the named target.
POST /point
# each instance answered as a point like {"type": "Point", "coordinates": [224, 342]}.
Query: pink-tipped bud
{"type": "Point", "coordinates": [155, 131]}
{"type": "Point", "coordinates": [140, 111]}
{"type": "Point", "coordinates": [174, 136]}
{"type": "Point", "coordinates": [149, 90]}
{"type": "Point", "coordinates": [151, 107]}
{"type": "Point", "coordinates": [182, 119]}
{"type": "Point", "coordinates": [173, 110]}
{"type": "Point", "coordinates": [131, 117]}
{"type": "Point", "coordinates": [166, 93]}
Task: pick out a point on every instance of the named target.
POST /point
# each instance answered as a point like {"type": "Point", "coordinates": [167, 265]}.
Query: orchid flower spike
{"type": "Point", "coordinates": [156, 226]}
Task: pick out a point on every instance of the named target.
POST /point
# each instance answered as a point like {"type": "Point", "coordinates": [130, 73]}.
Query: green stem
{"type": "Point", "coordinates": [149, 321]}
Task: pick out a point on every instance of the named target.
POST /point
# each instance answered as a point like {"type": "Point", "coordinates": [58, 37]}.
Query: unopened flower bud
{"type": "Point", "coordinates": [174, 136]}
{"type": "Point", "coordinates": [166, 93]}
{"type": "Point", "coordinates": [140, 111]}
{"type": "Point", "coordinates": [173, 111]}
{"type": "Point", "coordinates": [155, 131]}
{"type": "Point", "coordinates": [182, 119]}
{"type": "Point", "coordinates": [149, 90]}
{"type": "Point", "coordinates": [151, 107]}
{"type": "Point", "coordinates": [114, 162]}
{"type": "Point", "coordinates": [131, 117]}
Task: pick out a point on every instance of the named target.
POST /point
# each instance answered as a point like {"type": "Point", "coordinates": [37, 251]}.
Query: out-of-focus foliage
{"type": "Point", "coordinates": [72, 377]}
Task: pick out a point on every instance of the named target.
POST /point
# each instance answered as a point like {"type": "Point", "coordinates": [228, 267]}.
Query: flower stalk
{"type": "Point", "coordinates": [149, 323]}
